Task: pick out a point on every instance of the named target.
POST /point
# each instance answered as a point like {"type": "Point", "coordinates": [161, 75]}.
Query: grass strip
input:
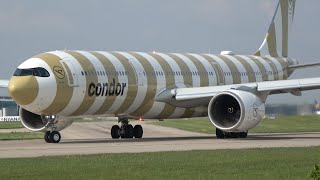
{"type": "Point", "coordinates": [282, 124]}
{"type": "Point", "coordinates": [21, 135]}
{"type": "Point", "coordinates": [275, 163]}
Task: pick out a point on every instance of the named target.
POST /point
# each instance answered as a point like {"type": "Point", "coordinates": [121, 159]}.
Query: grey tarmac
{"type": "Point", "coordinates": [94, 138]}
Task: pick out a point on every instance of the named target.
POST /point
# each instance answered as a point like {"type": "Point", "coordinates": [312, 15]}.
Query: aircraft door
{"type": "Point", "coordinates": [139, 72]}
{"type": "Point", "coordinates": [219, 73]}
{"type": "Point", "coordinates": [70, 72]}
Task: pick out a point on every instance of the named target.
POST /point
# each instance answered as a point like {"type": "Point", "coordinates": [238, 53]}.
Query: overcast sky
{"type": "Point", "coordinates": [202, 26]}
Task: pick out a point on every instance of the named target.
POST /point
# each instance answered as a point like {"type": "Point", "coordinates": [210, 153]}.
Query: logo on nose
{"type": "Point", "coordinates": [59, 72]}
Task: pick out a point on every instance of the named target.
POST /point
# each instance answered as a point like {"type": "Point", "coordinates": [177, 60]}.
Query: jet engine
{"type": "Point", "coordinates": [236, 111]}
{"type": "Point", "coordinates": [35, 122]}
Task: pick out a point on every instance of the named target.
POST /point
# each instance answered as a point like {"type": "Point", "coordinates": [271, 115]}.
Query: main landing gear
{"type": "Point", "coordinates": [126, 130]}
{"type": "Point", "coordinates": [52, 136]}
{"type": "Point", "coordinates": [224, 135]}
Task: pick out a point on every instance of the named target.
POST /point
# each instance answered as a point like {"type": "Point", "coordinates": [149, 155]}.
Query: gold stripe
{"type": "Point", "coordinates": [109, 67]}
{"type": "Point", "coordinates": [92, 78]}
{"type": "Point", "coordinates": [204, 79]}
{"type": "Point", "coordinates": [183, 68]}
{"type": "Point", "coordinates": [261, 67]}
{"type": "Point", "coordinates": [151, 87]}
{"type": "Point", "coordinates": [188, 113]}
{"type": "Point", "coordinates": [64, 91]}
{"type": "Point", "coordinates": [168, 110]}
{"type": "Point", "coordinates": [132, 83]}
{"type": "Point", "coordinates": [70, 77]}
{"type": "Point", "coordinates": [258, 53]}
{"type": "Point", "coordinates": [285, 27]}
{"type": "Point", "coordinates": [235, 72]}
{"type": "Point", "coordinates": [284, 67]}
{"type": "Point", "coordinates": [272, 41]}
{"type": "Point", "coordinates": [273, 67]}
{"type": "Point", "coordinates": [249, 69]}
{"type": "Point", "coordinates": [217, 69]}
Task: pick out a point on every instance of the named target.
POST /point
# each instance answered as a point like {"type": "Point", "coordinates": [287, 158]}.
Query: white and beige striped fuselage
{"type": "Point", "coordinates": [126, 84]}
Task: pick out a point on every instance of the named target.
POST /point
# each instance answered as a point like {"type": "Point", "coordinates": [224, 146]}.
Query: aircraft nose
{"type": "Point", "coordinates": [23, 89]}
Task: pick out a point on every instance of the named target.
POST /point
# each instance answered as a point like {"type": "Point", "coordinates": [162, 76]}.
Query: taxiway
{"type": "Point", "coordinates": [94, 138]}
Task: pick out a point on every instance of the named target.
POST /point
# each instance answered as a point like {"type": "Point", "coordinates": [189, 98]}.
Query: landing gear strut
{"type": "Point", "coordinates": [126, 130]}
{"type": "Point", "coordinates": [52, 136]}
{"type": "Point", "coordinates": [224, 135]}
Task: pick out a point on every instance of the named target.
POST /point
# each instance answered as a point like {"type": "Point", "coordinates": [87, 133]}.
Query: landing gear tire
{"type": "Point", "coordinates": [138, 131]}
{"type": "Point", "coordinates": [220, 134]}
{"type": "Point", "coordinates": [128, 131]}
{"type": "Point", "coordinates": [55, 137]}
{"type": "Point", "coordinates": [51, 136]}
{"type": "Point", "coordinates": [115, 132]}
{"type": "Point", "coordinates": [46, 137]}
{"type": "Point", "coordinates": [233, 135]}
{"type": "Point", "coordinates": [243, 135]}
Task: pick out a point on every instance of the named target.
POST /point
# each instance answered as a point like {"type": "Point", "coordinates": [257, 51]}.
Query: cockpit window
{"type": "Point", "coordinates": [40, 72]}
{"type": "Point", "coordinates": [23, 72]}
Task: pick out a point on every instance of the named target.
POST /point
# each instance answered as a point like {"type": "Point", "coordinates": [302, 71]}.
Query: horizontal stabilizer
{"type": "Point", "coordinates": [301, 66]}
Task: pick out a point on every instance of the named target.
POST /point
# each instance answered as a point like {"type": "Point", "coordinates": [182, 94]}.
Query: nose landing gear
{"type": "Point", "coordinates": [126, 130]}
{"type": "Point", "coordinates": [52, 136]}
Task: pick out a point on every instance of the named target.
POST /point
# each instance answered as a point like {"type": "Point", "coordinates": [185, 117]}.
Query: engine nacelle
{"type": "Point", "coordinates": [236, 110]}
{"type": "Point", "coordinates": [35, 122]}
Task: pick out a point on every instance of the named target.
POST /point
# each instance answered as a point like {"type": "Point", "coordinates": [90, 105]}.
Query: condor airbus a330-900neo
{"type": "Point", "coordinates": [53, 87]}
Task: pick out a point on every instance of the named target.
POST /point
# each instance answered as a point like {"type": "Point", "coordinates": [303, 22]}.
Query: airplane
{"type": "Point", "coordinates": [230, 89]}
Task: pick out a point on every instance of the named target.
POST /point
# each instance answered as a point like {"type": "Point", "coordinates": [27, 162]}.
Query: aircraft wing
{"type": "Point", "coordinates": [201, 96]}
{"type": "Point", "coordinates": [4, 83]}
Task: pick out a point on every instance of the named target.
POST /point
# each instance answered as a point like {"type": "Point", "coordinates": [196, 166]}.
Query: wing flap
{"type": "Point", "coordinates": [289, 85]}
